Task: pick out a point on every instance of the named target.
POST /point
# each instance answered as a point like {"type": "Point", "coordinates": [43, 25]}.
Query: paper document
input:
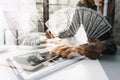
{"type": "Point", "coordinates": [81, 35]}
{"type": "Point", "coordinates": [82, 70]}
{"type": "Point", "coordinates": [27, 70]}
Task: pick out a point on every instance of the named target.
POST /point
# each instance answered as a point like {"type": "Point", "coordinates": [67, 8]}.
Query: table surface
{"type": "Point", "coordinates": [111, 66]}
{"type": "Point", "coordinates": [107, 68]}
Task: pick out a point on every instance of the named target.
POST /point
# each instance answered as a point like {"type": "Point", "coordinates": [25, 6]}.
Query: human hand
{"type": "Point", "coordinates": [94, 49]}
{"type": "Point", "coordinates": [79, 49]}
{"type": "Point", "coordinates": [49, 34]}
{"type": "Point", "coordinates": [63, 51]}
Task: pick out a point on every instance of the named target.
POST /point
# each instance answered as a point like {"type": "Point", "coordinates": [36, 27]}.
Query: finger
{"type": "Point", "coordinates": [70, 56]}
{"type": "Point", "coordinates": [66, 52]}
{"type": "Point", "coordinates": [80, 50]}
{"type": "Point", "coordinates": [49, 34]}
{"type": "Point", "coordinates": [61, 50]}
{"type": "Point", "coordinates": [55, 49]}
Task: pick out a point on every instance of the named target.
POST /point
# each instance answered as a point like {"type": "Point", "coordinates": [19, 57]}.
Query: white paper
{"type": "Point", "coordinates": [81, 35]}
{"type": "Point", "coordinates": [83, 70]}
{"type": "Point", "coordinates": [60, 20]}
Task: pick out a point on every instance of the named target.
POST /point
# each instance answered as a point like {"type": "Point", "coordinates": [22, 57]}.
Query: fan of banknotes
{"type": "Point", "coordinates": [66, 22]}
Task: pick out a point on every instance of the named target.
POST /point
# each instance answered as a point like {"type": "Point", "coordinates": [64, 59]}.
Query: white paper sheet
{"type": "Point", "coordinates": [81, 35]}
{"type": "Point", "coordinates": [83, 70]}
